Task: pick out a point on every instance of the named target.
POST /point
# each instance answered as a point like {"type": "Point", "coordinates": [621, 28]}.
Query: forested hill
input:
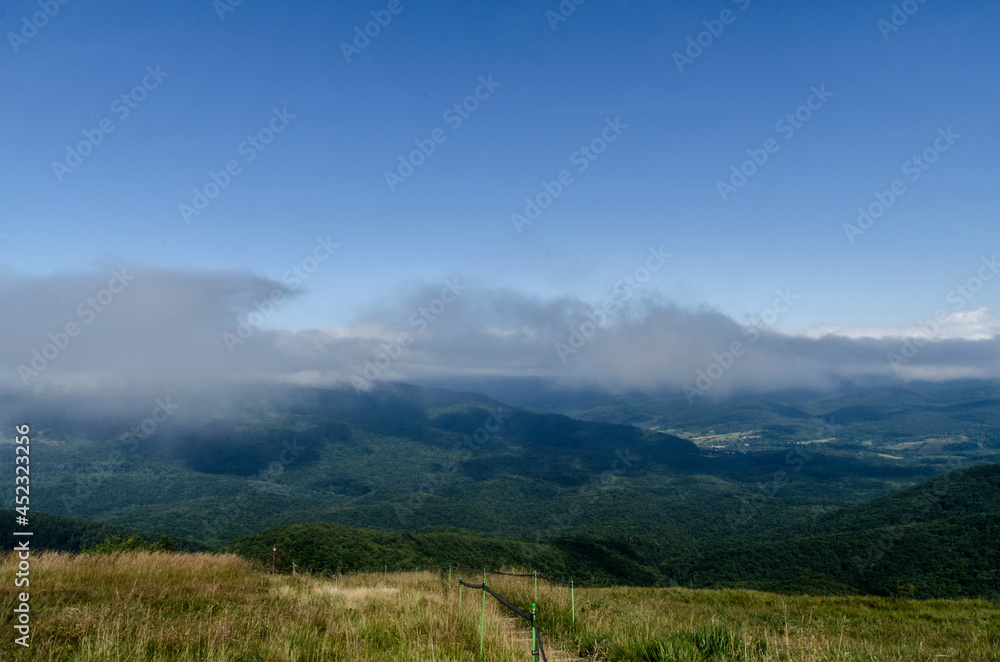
{"type": "Point", "coordinates": [936, 539]}
{"type": "Point", "coordinates": [971, 491]}
{"type": "Point", "coordinates": [71, 534]}
{"type": "Point", "coordinates": [324, 547]}
{"type": "Point", "coordinates": [219, 465]}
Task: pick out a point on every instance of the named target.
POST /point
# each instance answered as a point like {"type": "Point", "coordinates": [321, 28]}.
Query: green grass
{"type": "Point", "coordinates": [175, 606]}
{"type": "Point", "coordinates": [636, 624]}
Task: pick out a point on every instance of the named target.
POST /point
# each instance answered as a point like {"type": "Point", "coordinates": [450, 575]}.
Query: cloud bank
{"type": "Point", "coordinates": [129, 326]}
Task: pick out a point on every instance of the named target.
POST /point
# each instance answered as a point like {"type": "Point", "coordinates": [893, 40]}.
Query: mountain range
{"type": "Point", "coordinates": [761, 491]}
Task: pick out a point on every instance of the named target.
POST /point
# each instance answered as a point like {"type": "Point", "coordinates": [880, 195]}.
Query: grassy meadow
{"type": "Point", "coordinates": [648, 624]}
{"type": "Point", "coordinates": [186, 607]}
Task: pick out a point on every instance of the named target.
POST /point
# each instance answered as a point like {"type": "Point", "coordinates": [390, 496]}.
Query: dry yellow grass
{"type": "Point", "coordinates": [160, 606]}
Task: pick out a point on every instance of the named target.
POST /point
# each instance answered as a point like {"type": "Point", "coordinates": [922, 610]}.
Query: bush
{"type": "Point", "coordinates": [903, 591]}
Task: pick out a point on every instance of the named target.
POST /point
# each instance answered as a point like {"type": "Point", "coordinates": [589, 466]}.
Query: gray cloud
{"type": "Point", "coordinates": [152, 326]}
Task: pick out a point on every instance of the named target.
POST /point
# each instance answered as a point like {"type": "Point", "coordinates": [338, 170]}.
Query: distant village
{"type": "Point", "coordinates": [718, 448]}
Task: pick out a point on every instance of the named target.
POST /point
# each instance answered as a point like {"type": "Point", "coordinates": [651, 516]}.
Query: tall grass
{"type": "Point", "coordinates": [636, 624]}
{"type": "Point", "coordinates": [186, 607]}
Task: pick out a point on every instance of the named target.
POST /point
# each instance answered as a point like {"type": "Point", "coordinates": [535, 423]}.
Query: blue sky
{"type": "Point", "coordinates": [324, 174]}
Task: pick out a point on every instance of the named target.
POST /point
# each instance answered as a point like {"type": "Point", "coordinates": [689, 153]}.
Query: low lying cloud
{"type": "Point", "coordinates": [135, 326]}
{"type": "Point", "coordinates": [963, 324]}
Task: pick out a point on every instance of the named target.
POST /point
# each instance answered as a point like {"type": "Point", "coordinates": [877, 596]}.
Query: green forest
{"type": "Point", "coordinates": [806, 493]}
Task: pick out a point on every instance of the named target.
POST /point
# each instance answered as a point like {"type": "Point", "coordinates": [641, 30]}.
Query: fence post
{"type": "Point", "coordinates": [449, 573]}
{"type": "Point", "coordinates": [460, 596]}
{"type": "Point", "coordinates": [482, 622]}
{"type": "Point", "coordinates": [572, 601]}
{"type": "Point", "coordinates": [534, 631]}
{"type": "Point", "coordinates": [385, 571]}
{"type": "Point", "coordinates": [536, 586]}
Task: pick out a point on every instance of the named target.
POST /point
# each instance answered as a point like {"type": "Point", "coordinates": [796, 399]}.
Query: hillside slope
{"type": "Point", "coordinates": [940, 537]}
{"type": "Point", "coordinates": [969, 491]}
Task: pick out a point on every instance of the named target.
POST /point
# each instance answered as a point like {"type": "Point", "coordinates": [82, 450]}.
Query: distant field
{"type": "Point", "coordinates": [160, 606]}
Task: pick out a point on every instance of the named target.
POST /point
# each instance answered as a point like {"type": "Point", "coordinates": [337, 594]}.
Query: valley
{"type": "Point", "coordinates": [761, 493]}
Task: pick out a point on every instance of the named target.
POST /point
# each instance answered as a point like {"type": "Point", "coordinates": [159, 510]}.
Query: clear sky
{"type": "Point", "coordinates": [890, 88]}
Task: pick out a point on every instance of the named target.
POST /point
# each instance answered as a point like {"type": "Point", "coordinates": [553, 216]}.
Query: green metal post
{"type": "Point", "coordinates": [534, 630]}
{"type": "Point", "coordinates": [572, 600]}
{"type": "Point", "coordinates": [385, 571]}
{"type": "Point", "coordinates": [482, 623]}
